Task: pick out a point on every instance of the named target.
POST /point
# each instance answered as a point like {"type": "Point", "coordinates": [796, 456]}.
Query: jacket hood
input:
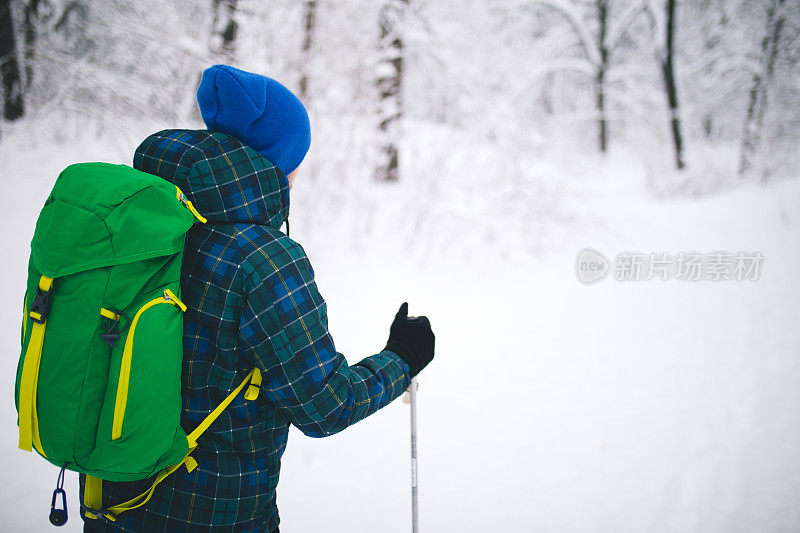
{"type": "Point", "coordinates": [224, 179]}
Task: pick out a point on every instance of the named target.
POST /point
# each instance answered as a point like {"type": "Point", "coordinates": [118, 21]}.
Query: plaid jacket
{"type": "Point", "coordinates": [252, 301]}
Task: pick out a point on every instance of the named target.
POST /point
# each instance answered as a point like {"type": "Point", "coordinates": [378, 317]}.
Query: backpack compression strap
{"type": "Point", "coordinates": [28, 419]}
{"type": "Point", "coordinates": [93, 490]}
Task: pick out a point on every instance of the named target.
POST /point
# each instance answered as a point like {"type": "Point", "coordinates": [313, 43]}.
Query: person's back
{"type": "Point", "coordinates": [252, 302]}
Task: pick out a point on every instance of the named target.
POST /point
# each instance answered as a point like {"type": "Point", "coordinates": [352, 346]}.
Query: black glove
{"type": "Point", "coordinates": [412, 339]}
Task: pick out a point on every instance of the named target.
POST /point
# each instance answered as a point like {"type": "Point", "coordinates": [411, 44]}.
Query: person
{"type": "Point", "coordinates": [252, 302]}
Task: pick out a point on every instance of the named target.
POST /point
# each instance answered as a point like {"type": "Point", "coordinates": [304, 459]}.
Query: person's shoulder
{"type": "Point", "coordinates": [256, 239]}
{"type": "Point", "coordinates": [265, 250]}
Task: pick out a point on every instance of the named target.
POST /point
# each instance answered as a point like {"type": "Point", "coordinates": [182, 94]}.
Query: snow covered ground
{"type": "Point", "coordinates": [551, 406]}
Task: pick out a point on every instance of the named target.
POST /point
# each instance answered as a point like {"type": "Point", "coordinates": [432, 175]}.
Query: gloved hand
{"type": "Point", "coordinates": [412, 339]}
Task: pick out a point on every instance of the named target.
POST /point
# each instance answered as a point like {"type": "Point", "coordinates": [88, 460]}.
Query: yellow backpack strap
{"type": "Point", "coordinates": [204, 425]}
{"type": "Point", "coordinates": [253, 379]}
{"type": "Point", "coordinates": [255, 385]}
{"type": "Point", "coordinates": [28, 419]}
{"type": "Point", "coordinates": [92, 496]}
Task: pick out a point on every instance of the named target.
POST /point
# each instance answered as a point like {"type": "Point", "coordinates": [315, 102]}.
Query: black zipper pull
{"type": "Point", "coordinates": [58, 517]}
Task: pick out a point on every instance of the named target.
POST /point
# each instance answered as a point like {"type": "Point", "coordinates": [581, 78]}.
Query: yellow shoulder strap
{"type": "Point", "coordinates": [92, 494]}
{"type": "Point", "coordinates": [28, 419]}
{"type": "Point", "coordinates": [199, 430]}
{"type": "Point", "coordinates": [253, 378]}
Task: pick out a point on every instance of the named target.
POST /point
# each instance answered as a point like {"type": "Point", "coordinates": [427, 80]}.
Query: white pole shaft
{"type": "Point", "coordinates": [414, 499]}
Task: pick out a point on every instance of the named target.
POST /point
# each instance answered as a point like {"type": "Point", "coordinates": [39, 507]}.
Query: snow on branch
{"type": "Point", "coordinates": [573, 17]}
{"type": "Point", "coordinates": [564, 64]}
{"type": "Point", "coordinates": [624, 21]}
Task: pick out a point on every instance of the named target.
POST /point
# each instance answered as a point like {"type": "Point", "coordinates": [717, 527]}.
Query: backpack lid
{"type": "Point", "coordinates": [99, 214]}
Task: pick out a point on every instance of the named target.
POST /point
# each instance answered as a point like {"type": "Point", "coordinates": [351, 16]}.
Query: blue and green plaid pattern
{"type": "Point", "coordinates": [252, 301]}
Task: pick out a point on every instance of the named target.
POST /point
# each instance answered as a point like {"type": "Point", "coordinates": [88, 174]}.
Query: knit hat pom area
{"type": "Point", "coordinates": [257, 110]}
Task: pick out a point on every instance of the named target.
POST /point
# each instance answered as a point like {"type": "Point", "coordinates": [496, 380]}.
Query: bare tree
{"type": "Point", "coordinates": [762, 79]}
{"type": "Point", "coordinates": [666, 57]}
{"type": "Point", "coordinates": [390, 78]}
{"type": "Point", "coordinates": [224, 28]}
{"type": "Point", "coordinates": [602, 68]}
{"type": "Point", "coordinates": [598, 49]}
{"type": "Point", "coordinates": [32, 12]}
{"type": "Point", "coordinates": [10, 78]}
{"type": "Point", "coordinates": [711, 26]}
{"type": "Point", "coordinates": [308, 41]}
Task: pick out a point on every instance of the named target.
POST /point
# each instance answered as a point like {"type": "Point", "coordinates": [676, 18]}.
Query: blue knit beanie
{"type": "Point", "coordinates": [259, 111]}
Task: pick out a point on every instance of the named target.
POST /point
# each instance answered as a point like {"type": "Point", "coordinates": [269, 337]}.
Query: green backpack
{"type": "Point", "coordinates": [98, 387]}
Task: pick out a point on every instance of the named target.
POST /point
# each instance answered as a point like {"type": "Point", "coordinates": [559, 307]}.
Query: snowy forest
{"type": "Point", "coordinates": [702, 95]}
{"type": "Point", "coordinates": [705, 87]}
{"type": "Point", "coordinates": [462, 154]}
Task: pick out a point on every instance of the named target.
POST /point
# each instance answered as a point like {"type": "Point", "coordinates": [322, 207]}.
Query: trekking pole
{"type": "Point", "coordinates": [412, 399]}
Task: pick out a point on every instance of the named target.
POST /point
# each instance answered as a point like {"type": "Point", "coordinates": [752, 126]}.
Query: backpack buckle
{"type": "Point", "coordinates": [111, 336]}
{"type": "Point", "coordinates": [101, 515]}
{"type": "Point", "coordinates": [41, 306]}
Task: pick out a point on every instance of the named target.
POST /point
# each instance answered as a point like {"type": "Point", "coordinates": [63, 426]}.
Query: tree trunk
{"type": "Point", "coordinates": [668, 71]}
{"type": "Point", "coordinates": [602, 68]}
{"type": "Point", "coordinates": [308, 41]}
{"type": "Point", "coordinates": [390, 77]}
{"type": "Point", "coordinates": [758, 92]}
{"type": "Point", "coordinates": [10, 79]}
{"type": "Point", "coordinates": [714, 23]}
{"type": "Point", "coordinates": [224, 29]}
{"type": "Point", "coordinates": [30, 17]}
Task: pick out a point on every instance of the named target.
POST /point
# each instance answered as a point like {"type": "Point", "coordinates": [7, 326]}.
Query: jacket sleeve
{"type": "Point", "coordinates": [284, 330]}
